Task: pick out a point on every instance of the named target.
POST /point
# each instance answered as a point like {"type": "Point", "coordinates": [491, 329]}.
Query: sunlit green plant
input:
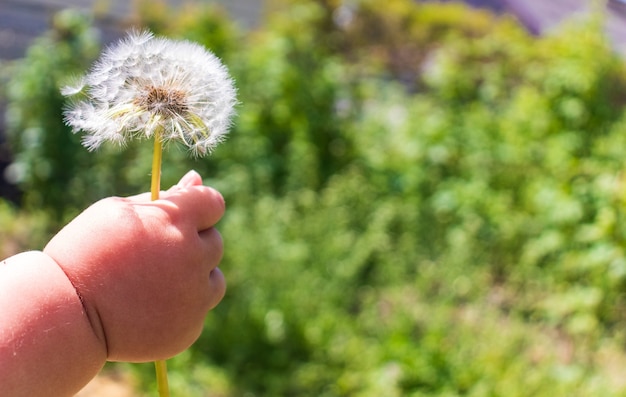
{"type": "Point", "coordinates": [46, 157]}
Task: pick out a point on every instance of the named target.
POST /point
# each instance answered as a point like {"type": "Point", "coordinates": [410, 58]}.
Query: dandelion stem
{"type": "Point", "coordinates": [157, 155]}
{"type": "Point", "coordinates": [161, 376]}
{"type": "Point", "coordinates": [155, 188]}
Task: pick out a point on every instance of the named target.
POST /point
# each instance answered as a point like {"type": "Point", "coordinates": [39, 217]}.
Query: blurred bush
{"type": "Point", "coordinates": [21, 231]}
{"type": "Point", "coordinates": [423, 199]}
{"type": "Point", "coordinates": [47, 156]}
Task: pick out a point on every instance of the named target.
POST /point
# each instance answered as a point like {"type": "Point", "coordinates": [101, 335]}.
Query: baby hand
{"type": "Point", "coordinates": [146, 271]}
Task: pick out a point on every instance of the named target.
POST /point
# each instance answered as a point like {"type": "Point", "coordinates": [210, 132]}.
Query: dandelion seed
{"type": "Point", "coordinates": [145, 86]}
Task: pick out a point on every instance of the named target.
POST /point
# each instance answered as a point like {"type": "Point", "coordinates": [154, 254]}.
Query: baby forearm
{"type": "Point", "coordinates": [47, 344]}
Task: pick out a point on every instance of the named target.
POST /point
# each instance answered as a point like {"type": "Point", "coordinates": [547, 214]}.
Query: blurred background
{"type": "Point", "coordinates": [424, 198]}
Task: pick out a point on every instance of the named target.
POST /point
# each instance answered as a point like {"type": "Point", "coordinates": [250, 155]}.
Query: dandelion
{"type": "Point", "coordinates": [153, 87]}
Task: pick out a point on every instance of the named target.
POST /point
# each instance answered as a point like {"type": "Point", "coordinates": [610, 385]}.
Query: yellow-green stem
{"type": "Point", "coordinates": [157, 155]}
{"type": "Point", "coordinates": [161, 376]}
{"type": "Point", "coordinates": [155, 188]}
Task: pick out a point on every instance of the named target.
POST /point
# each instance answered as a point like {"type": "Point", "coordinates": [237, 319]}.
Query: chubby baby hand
{"type": "Point", "coordinates": [146, 271]}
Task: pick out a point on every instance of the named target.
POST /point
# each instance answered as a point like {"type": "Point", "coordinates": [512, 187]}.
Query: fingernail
{"type": "Point", "coordinates": [191, 178]}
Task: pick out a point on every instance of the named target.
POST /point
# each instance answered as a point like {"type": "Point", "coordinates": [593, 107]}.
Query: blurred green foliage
{"type": "Point", "coordinates": [423, 199]}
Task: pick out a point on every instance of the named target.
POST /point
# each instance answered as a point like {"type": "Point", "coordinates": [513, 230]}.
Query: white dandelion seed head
{"type": "Point", "coordinates": [145, 85]}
